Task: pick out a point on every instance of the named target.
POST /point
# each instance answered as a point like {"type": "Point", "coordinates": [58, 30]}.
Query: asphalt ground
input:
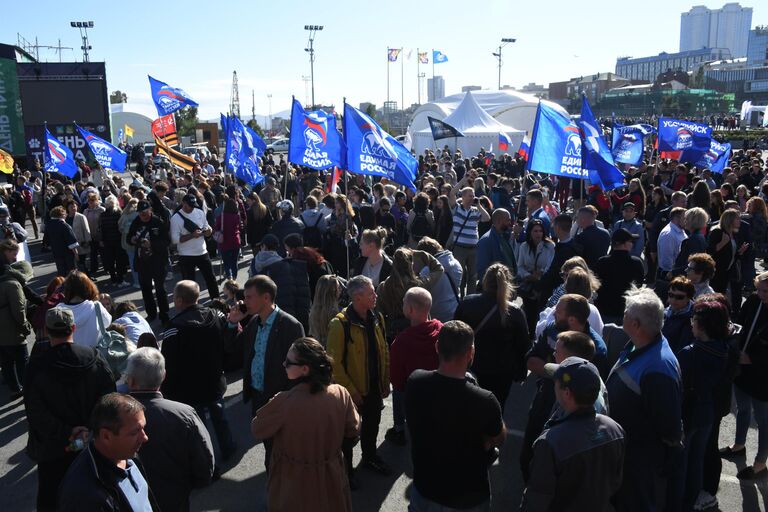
{"type": "Point", "coordinates": [243, 483]}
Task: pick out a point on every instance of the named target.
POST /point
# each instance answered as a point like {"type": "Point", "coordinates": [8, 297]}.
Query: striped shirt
{"type": "Point", "coordinates": [465, 226]}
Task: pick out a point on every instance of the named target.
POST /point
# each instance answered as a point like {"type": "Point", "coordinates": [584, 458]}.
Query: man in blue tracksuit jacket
{"type": "Point", "coordinates": [645, 396]}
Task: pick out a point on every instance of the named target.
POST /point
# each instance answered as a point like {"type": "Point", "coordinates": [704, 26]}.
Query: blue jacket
{"type": "Point", "coordinates": [489, 252]}
{"type": "Point", "coordinates": [677, 328]}
{"type": "Point", "coordinates": [645, 397]}
{"type": "Point", "coordinates": [593, 243]}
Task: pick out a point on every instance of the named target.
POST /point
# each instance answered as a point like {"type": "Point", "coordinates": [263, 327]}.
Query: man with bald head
{"type": "Point", "coordinates": [412, 349]}
{"type": "Point", "coordinates": [497, 245]}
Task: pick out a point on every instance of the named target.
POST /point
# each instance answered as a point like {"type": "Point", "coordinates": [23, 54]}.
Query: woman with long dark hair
{"type": "Point", "coordinates": [308, 425]}
{"type": "Point", "coordinates": [443, 219]}
{"type": "Point", "coordinates": [258, 220]}
{"type": "Point", "coordinates": [533, 259]}
{"type": "Point", "coordinates": [228, 224]}
{"type": "Point", "coordinates": [342, 231]}
{"type": "Point", "coordinates": [501, 333]}
{"type": "Point", "coordinates": [317, 265]}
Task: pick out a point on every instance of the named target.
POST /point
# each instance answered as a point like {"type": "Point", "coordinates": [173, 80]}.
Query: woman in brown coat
{"type": "Point", "coordinates": [308, 424]}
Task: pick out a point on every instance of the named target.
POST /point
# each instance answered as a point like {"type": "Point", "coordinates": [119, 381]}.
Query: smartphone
{"type": "Point", "coordinates": [242, 308]}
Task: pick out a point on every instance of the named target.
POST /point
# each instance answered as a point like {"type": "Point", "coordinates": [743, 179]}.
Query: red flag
{"type": "Point", "coordinates": [335, 176]}
{"type": "Point", "coordinates": [165, 128]}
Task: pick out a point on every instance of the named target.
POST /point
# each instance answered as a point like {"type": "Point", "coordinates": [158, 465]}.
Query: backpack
{"type": "Point", "coordinates": [420, 226]}
{"type": "Point", "coordinates": [113, 347]}
{"type": "Point", "coordinates": [312, 235]}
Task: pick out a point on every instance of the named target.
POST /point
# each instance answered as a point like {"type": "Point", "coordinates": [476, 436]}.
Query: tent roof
{"type": "Point", "coordinates": [470, 118]}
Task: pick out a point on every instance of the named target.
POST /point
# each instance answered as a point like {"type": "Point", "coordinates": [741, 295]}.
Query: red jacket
{"type": "Point", "coordinates": [413, 349]}
{"type": "Point", "coordinates": [229, 223]}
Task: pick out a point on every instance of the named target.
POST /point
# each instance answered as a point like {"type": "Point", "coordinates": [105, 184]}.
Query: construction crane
{"type": "Point", "coordinates": [234, 98]}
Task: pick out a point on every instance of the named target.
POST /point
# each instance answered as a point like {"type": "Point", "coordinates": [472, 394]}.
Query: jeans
{"type": "Point", "coordinates": [688, 478]}
{"type": "Point", "coordinates": [419, 503]}
{"type": "Point", "coordinates": [187, 265]}
{"type": "Point", "coordinates": [132, 265]}
{"type": "Point", "coordinates": [467, 259]}
{"type": "Point", "coordinates": [220, 425]}
{"type": "Point", "coordinates": [149, 272]}
{"type": "Point", "coordinates": [370, 414]}
{"type": "Point", "coordinates": [229, 259]}
{"type": "Point", "coordinates": [13, 360]}
{"type": "Point", "coordinates": [745, 405]}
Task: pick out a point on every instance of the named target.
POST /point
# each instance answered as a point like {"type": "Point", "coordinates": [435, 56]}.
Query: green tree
{"type": "Point", "coordinates": [118, 97]}
{"type": "Point", "coordinates": [186, 121]}
{"type": "Point", "coordinates": [371, 111]}
{"type": "Point", "coordinates": [254, 125]}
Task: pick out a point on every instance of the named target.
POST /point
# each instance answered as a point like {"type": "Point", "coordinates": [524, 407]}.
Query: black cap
{"type": "Point", "coordinates": [578, 375]}
{"type": "Point", "coordinates": [191, 200]}
{"type": "Point", "coordinates": [629, 204]}
{"type": "Point", "coordinates": [621, 236]}
{"type": "Point", "coordinates": [143, 205]}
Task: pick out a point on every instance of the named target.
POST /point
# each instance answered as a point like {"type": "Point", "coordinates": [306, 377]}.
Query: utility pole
{"type": "Point", "coordinates": [234, 97]}
{"type": "Point", "coordinates": [83, 26]}
{"type": "Point", "coordinates": [269, 98]}
{"type": "Point", "coordinates": [253, 106]}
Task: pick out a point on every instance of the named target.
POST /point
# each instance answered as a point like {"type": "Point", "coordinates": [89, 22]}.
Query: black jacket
{"type": "Point", "coordinates": [61, 386]}
{"type": "Point", "coordinates": [592, 244]}
{"type": "Point", "coordinates": [194, 353]}
{"type": "Point", "coordinates": [293, 293]}
{"type": "Point", "coordinates": [580, 451]}
{"type": "Point", "coordinates": [617, 272]}
{"type": "Point", "coordinates": [59, 236]}
{"type": "Point", "coordinates": [551, 278]}
{"type": "Point", "coordinates": [284, 227]}
{"type": "Point", "coordinates": [159, 238]}
{"type": "Point", "coordinates": [285, 330]}
{"type": "Point", "coordinates": [108, 226]}
{"type": "Point", "coordinates": [695, 243]}
{"type": "Point", "coordinates": [179, 455]}
{"type": "Point", "coordinates": [91, 483]}
{"type": "Point", "coordinates": [386, 267]}
{"type": "Point", "coordinates": [751, 378]}
{"type": "Point", "coordinates": [499, 349]}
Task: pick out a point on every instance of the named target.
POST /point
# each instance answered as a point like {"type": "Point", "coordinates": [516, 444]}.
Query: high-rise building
{"type": "Point", "coordinates": [727, 27]}
{"type": "Point", "coordinates": [435, 88]}
{"type": "Point", "coordinates": [757, 48]}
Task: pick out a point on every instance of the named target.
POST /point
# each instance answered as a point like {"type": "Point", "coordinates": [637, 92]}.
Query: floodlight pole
{"type": "Point", "coordinates": [313, 29]}
{"type": "Point", "coordinates": [83, 27]}
{"type": "Point", "coordinates": [504, 42]}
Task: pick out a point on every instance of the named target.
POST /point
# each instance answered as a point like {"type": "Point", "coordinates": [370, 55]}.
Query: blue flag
{"type": "Point", "coordinates": [107, 155]}
{"type": "Point", "coordinates": [596, 156]}
{"type": "Point", "coordinates": [254, 145]}
{"type": "Point", "coordinates": [372, 151]}
{"type": "Point", "coordinates": [315, 141]}
{"type": "Point", "coordinates": [716, 159]}
{"type": "Point", "coordinates": [242, 157]}
{"type": "Point", "coordinates": [168, 99]}
{"type": "Point", "coordinates": [438, 57]}
{"type": "Point", "coordinates": [627, 146]}
{"type": "Point", "coordinates": [555, 145]}
{"type": "Point", "coordinates": [58, 157]}
{"type": "Point", "coordinates": [119, 135]}
{"type": "Point", "coordinates": [693, 139]}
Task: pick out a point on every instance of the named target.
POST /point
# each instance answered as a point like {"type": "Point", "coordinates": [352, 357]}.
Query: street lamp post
{"type": "Point", "coordinates": [83, 26]}
{"type": "Point", "coordinates": [313, 29]}
{"type": "Point", "coordinates": [504, 42]}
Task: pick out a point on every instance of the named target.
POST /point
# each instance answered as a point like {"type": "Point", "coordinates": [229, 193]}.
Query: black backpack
{"type": "Point", "coordinates": [420, 226]}
{"type": "Point", "coordinates": [312, 235]}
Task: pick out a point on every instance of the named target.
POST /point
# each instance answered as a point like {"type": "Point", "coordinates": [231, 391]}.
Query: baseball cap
{"type": "Point", "coordinates": [629, 204]}
{"type": "Point", "coordinates": [143, 205]}
{"type": "Point", "coordinates": [191, 200]}
{"type": "Point", "coordinates": [621, 236]}
{"type": "Point", "coordinates": [59, 319]}
{"type": "Point", "coordinates": [286, 205]}
{"type": "Point", "coordinates": [576, 374]}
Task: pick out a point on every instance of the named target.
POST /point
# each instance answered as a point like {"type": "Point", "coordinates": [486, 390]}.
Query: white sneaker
{"type": "Point", "coordinates": [705, 501]}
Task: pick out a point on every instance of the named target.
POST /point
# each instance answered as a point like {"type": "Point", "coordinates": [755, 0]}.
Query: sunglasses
{"type": "Point", "coordinates": [288, 363]}
{"type": "Point", "coordinates": [677, 296]}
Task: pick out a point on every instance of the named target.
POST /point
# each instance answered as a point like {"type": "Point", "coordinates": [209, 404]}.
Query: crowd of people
{"type": "Point", "coordinates": [639, 311]}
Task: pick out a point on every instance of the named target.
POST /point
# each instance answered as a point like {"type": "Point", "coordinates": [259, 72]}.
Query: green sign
{"type": "Point", "coordinates": [11, 122]}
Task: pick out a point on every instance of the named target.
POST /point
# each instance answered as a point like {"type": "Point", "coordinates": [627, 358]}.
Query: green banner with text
{"type": "Point", "coordinates": [11, 122]}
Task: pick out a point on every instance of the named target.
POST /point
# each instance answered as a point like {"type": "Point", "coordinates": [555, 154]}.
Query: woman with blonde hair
{"type": "Point", "coordinates": [258, 220]}
{"type": "Point", "coordinates": [325, 307]}
{"type": "Point", "coordinates": [501, 333]}
{"type": "Point", "coordinates": [373, 262]}
{"type": "Point", "coordinates": [407, 266]}
{"type": "Point", "coordinates": [723, 249]}
{"type": "Point", "coordinates": [341, 232]}
{"type": "Point", "coordinates": [578, 281]}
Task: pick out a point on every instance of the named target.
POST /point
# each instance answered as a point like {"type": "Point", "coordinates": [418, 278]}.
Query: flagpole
{"type": "Point", "coordinates": [433, 75]}
{"type": "Point", "coordinates": [388, 62]}
{"type": "Point", "coordinates": [287, 166]}
{"type": "Point", "coordinates": [346, 173]}
{"type": "Point", "coordinates": [402, 80]}
{"type": "Point", "coordinates": [418, 75]}
{"type": "Point", "coordinates": [45, 180]}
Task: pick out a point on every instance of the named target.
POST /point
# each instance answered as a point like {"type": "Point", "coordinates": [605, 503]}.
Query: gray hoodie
{"type": "Point", "coordinates": [262, 260]}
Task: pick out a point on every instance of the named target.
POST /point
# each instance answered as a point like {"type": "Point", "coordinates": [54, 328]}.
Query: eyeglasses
{"type": "Point", "coordinates": [677, 296]}
{"type": "Point", "coordinates": [288, 363]}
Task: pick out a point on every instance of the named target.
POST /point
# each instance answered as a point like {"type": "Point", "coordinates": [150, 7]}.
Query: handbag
{"type": "Point", "coordinates": [218, 235]}
{"type": "Point", "coordinates": [112, 346]}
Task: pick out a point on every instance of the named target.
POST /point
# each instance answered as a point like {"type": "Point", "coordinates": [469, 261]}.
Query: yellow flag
{"type": "Point", "coordinates": [6, 162]}
{"type": "Point", "coordinates": [128, 131]}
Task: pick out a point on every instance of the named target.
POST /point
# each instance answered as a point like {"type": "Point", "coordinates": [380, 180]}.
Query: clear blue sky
{"type": "Point", "coordinates": [196, 45]}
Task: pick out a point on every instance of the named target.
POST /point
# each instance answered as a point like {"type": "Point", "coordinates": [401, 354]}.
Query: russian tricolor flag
{"type": "Point", "coordinates": [504, 142]}
{"type": "Point", "coordinates": [525, 147]}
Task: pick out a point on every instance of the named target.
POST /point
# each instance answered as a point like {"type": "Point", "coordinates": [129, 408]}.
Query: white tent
{"type": "Point", "coordinates": [479, 128]}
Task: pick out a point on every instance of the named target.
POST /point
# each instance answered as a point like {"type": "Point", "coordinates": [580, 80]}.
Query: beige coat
{"type": "Point", "coordinates": [306, 471]}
